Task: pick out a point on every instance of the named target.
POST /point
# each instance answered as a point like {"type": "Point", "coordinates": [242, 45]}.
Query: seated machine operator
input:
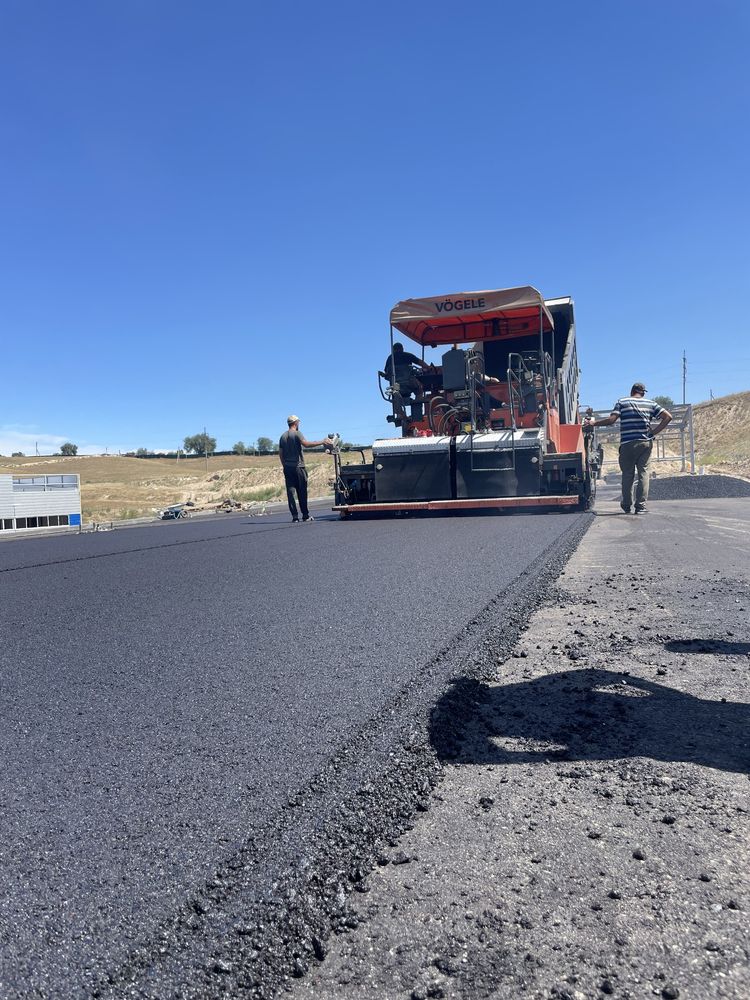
{"type": "Point", "coordinates": [532, 382]}
{"type": "Point", "coordinates": [405, 375]}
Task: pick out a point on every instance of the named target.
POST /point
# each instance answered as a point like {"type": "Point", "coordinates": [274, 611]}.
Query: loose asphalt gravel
{"type": "Point", "coordinates": [211, 728]}
{"type": "Point", "coordinates": [697, 487]}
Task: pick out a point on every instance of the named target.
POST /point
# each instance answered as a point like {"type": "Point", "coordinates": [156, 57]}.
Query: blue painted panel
{"type": "Point", "coordinates": [74, 519]}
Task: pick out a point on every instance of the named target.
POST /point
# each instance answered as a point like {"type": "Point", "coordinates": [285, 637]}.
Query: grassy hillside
{"type": "Point", "coordinates": [722, 433]}
{"type": "Point", "coordinates": [114, 487]}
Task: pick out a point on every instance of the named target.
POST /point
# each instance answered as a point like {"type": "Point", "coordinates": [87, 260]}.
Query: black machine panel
{"type": "Point", "coordinates": [453, 365]}
{"type": "Point", "coordinates": [412, 469]}
{"type": "Point", "coordinates": [563, 473]}
{"type": "Point", "coordinates": [494, 474]}
{"type": "Point", "coordinates": [356, 484]}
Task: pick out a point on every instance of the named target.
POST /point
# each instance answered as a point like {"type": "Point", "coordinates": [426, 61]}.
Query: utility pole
{"type": "Point", "coordinates": [205, 446]}
{"type": "Point", "coordinates": [684, 375]}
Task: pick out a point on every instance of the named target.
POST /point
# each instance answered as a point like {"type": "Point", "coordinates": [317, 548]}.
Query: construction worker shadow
{"type": "Point", "coordinates": [587, 715]}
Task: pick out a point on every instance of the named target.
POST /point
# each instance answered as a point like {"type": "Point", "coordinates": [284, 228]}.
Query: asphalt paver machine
{"type": "Point", "coordinates": [492, 422]}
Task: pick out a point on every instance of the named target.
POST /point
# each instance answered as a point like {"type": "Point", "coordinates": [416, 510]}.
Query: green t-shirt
{"type": "Point", "coordinates": [290, 449]}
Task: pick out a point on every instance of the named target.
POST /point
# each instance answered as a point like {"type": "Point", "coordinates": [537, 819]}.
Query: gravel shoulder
{"type": "Point", "coordinates": [589, 834]}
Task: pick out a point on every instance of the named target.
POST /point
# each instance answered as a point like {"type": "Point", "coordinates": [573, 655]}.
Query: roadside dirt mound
{"type": "Point", "coordinates": [261, 481]}
{"type": "Point", "coordinates": [722, 433]}
{"type": "Point", "coordinates": [264, 483]}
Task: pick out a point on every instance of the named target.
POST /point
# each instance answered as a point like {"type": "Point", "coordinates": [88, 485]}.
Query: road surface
{"type": "Point", "coordinates": [185, 706]}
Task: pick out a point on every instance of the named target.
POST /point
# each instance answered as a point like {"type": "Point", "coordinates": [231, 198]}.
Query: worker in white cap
{"type": "Point", "coordinates": [292, 460]}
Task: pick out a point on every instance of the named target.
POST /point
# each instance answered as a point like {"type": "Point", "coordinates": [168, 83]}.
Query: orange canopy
{"type": "Point", "coordinates": [463, 317]}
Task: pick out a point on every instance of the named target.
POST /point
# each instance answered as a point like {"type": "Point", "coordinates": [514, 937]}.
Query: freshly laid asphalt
{"type": "Point", "coordinates": [166, 691]}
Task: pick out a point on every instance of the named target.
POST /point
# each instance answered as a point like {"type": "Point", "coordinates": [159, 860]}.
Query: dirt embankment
{"type": "Point", "coordinates": [722, 434]}
{"type": "Point", "coordinates": [116, 487]}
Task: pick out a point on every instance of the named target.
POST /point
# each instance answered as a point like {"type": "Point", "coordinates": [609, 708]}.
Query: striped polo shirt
{"type": "Point", "coordinates": [636, 414]}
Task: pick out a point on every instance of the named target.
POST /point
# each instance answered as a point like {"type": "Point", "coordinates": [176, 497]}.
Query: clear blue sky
{"type": "Point", "coordinates": [207, 210]}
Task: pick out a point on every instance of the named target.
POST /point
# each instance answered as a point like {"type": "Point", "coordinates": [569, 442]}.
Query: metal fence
{"type": "Point", "coordinates": [676, 443]}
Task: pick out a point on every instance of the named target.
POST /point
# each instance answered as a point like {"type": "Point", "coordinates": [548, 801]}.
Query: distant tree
{"type": "Point", "coordinates": [69, 448]}
{"type": "Point", "coordinates": [347, 446]}
{"type": "Point", "coordinates": [142, 452]}
{"type": "Point", "coordinates": [18, 454]}
{"type": "Point", "coordinates": [201, 444]}
{"type": "Point", "coordinates": [265, 445]}
{"type": "Point", "coordinates": [240, 448]}
{"type": "Point", "coordinates": [666, 401]}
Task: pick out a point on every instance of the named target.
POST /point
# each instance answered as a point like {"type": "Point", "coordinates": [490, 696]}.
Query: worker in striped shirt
{"type": "Point", "coordinates": [635, 414]}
